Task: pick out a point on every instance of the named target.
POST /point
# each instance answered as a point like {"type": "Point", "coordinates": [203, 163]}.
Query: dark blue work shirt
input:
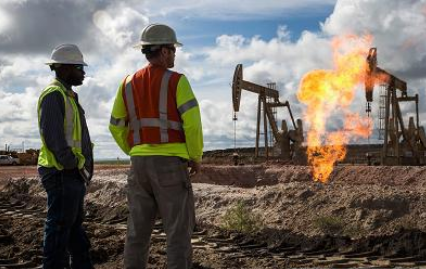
{"type": "Point", "coordinates": [52, 113]}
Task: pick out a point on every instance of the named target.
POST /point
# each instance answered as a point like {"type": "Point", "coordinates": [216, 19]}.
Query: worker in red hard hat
{"type": "Point", "coordinates": [65, 162]}
{"type": "Point", "coordinates": [156, 120]}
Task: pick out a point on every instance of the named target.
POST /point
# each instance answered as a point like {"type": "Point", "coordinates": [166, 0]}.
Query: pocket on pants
{"type": "Point", "coordinates": [51, 181]}
{"type": "Point", "coordinates": [171, 172]}
{"type": "Point", "coordinates": [131, 178]}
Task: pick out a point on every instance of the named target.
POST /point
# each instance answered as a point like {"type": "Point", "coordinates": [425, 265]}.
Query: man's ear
{"type": "Point", "coordinates": [68, 69]}
{"type": "Point", "coordinates": [63, 71]}
{"type": "Point", "coordinates": [164, 51]}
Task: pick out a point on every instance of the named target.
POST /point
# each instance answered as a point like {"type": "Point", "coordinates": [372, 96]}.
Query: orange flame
{"type": "Point", "coordinates": [357, 125]}
{"type": "Point", "coordinates": [327, 92]}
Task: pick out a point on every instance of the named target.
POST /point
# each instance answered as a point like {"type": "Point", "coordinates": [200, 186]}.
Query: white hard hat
{"type": "Point", "coordinates": [66, 54]}
{"type": "Point", "coordinates": [158, 34]}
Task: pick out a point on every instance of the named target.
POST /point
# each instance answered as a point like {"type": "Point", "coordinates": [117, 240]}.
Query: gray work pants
{"type": "Point", "coordinates": [159, 184]}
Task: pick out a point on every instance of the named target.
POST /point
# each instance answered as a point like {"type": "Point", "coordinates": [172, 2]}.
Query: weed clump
{"type": "Point", "coordinates": [241, 219]}
{"type": "Point", "coordinates": [330, 225]}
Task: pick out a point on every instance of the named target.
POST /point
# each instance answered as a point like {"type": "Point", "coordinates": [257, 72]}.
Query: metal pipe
{"type": "Point", "coordinates": [259, 103]}
{"type": "Point", "coordinates": [265, 125]}
{"type": "Point", "coordinates": [385, 142]}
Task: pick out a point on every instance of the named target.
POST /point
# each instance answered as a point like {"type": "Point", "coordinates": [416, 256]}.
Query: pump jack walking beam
{"type": "Point", "coordinates": [394, 124]}
{"type": "Point", "coordinates": [238, 85]}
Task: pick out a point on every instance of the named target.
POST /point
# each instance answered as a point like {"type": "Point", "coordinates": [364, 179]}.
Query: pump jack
{"type": "Point", "coordinates": [268, 97]}
{"type": "Point", "coordinates": [411, 149]}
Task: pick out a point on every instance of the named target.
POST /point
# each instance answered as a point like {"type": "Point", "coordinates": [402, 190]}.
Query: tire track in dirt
{"type": "Point", "coordinates": [22, 213]}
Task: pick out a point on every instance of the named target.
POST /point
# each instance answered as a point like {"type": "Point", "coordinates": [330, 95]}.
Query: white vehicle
{"type": "Point", "coordinates": [8, 160]}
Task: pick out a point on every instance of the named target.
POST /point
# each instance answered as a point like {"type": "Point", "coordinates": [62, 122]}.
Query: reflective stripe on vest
{"type": "Point", "coordinates": [69, 121]}
{"type": "Point", "coordinates": [187, 106]}
{"type": "Point", "coordinates": [167, 124]}
{"type": "Point", "coordinates": [69, 125]}
{"type": "Point", "coordinates": [118, 122]}
{"type": "Point", "coordinates": [133, 120]}
{"type": "Point", "coordinates": [163, 106]}
{"type": "Point", "coordinates": [162, 122]}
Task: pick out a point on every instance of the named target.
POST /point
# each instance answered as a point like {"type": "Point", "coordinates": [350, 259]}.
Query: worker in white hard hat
{"type": "Point", "coordinates": [65, 162]}
{"type": "Point", "coordinates": [156, 120]}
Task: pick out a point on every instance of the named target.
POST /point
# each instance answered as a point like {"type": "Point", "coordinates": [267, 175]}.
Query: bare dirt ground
{"type": "Point", "coordinates": [366, 217]}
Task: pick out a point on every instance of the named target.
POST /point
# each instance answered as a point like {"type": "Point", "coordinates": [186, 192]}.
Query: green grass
{"type": "Point", "coordinates": [241, 219]}
{"type": "Point", "coordinates": [330, 225]}
{"type": "Point", "coordinates": [113, 162]}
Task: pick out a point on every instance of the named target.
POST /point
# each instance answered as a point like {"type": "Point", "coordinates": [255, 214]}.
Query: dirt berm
{"type": "Point", "coordinates": [377, 214]}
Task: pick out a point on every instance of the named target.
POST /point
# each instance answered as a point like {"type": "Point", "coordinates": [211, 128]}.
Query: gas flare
{"type": "Point", "coordinates": [328, 92]}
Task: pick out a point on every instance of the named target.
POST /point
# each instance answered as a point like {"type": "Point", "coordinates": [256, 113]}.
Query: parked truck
{"type": "Point", "coordinates": [8, 160]}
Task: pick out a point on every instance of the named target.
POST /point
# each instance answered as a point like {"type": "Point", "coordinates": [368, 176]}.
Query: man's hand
{"type": "Point", "coordinates": [194, 168]}
{"type": "Point", "coordinates": [85, 175]}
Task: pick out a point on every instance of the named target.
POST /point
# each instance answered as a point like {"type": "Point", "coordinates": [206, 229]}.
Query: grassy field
{"type": "Point", "coordinates": [113, 162]}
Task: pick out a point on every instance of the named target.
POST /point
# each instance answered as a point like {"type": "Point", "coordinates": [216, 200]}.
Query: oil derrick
{"type": "Point", "coordinates": [403, 144]}
{"type": "Point", "coordinates": [288, 141]}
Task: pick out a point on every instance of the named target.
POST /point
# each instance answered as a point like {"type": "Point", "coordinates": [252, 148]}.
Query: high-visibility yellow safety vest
{"type": "Point", "coordinates": [72, 128]}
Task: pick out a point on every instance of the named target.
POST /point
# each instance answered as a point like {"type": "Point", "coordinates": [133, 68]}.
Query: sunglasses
{"type": "Point", "coordinates": [79, 67]}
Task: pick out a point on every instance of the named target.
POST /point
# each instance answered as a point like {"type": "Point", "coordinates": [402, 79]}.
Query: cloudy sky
{"type": "Point", "coordinates": [276, 41]}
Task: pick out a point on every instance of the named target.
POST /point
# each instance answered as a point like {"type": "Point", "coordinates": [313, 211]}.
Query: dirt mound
{"type": "Point", "coordinates": [376, 213]}
{"type": "Point", "coordinates": [374, 200]}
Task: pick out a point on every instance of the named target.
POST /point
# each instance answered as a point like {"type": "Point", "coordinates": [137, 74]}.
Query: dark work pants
{"type": "Point", "coordinates": [159, 184]}
{"type": "Point", "coordinates": [64, 236]}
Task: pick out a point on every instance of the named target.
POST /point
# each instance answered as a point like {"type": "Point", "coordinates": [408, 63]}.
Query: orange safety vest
{"type": "Point", "coordinates": [150, 99]}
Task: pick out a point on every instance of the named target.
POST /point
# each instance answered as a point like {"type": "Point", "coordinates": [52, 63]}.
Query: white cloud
{"type": "Point", "coordinates": [118, 25]}
{"type": "Point", "coordinates": [106, 29]}
{"type": "Point", "coordinates": [8, 2]}
{"type": "Point", "coordinates": [397, 27]}
{"type": "Point", "coordinates": [6, 20]}
{"type": "Point", "coordinates": [18, 117]}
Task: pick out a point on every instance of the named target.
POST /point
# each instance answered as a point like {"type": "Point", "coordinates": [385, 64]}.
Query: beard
{"type": "Point", "coordinates": [76, 80]}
